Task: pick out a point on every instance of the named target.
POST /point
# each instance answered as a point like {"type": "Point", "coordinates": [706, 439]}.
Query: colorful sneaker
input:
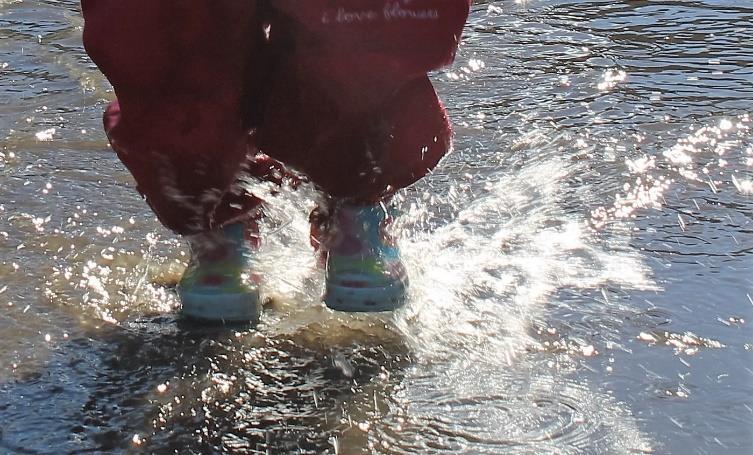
{"type": "Point", "coordinates": [364, 272]}
{"type": "Point", "coordinates": [217, 285]}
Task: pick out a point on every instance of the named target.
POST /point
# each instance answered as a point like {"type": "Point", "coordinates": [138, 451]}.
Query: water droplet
{"type": "Point", "coordinates": [46, 135]}
{"type": "Point", "coordinates": [643, 336]}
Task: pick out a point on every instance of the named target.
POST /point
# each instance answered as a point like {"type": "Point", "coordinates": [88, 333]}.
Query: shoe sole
{"type": "Point", "coordinates": [221, 308]}
{"type": "Point", "coordinates": [366, 299]}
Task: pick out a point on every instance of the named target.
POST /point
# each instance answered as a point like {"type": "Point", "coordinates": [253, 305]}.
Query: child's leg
{"type": "Point", "coordinates": [352, 108]}
{"type": "Point", "coordinates": [187, 77]}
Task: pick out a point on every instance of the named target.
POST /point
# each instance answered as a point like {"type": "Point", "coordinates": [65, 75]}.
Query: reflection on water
{"type": "Point", "coordinates": [581, 263]}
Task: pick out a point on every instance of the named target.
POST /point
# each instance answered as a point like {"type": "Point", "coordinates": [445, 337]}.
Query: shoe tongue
{"type": "Point", "coordinates": [224, 244]}
{"type": "Point", "coordinates": [364, 212]}
{"type": "Point", "coordinates": [234, 232]}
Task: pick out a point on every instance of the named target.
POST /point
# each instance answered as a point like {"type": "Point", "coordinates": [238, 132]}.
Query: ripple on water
{"type": "Point", "coordinates": [527, 409]}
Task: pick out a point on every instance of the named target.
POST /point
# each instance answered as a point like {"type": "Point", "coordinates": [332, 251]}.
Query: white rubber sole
{"type": "Point", "coordinates": [366, 299]}
{"type": "Point", "coordinates": [221, 308]}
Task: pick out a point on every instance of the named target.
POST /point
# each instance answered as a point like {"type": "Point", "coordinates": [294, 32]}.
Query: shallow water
{"type": "Point", "coordinates": [581, 263]}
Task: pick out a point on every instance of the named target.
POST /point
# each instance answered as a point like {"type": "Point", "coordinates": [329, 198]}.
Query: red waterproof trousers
{"type": "Point", "coordinates": [336, 89]}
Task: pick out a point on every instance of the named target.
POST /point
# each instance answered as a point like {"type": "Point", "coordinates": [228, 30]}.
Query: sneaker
{"type": "Point", "coordinates": [217, 285]}
{"type": "Point", "coordinates": [364, 272]}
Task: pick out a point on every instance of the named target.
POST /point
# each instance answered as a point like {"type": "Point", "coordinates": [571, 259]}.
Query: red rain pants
{"type": "Point", "coordinates": [335, 89]}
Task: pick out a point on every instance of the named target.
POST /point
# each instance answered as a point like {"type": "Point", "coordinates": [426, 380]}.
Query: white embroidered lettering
{"type": "Point", "coordinates": [393, 10]}
{"type": "Point", "coordinates": [396, 11]}
{"type": "Point", "coordinates": [349, 17]}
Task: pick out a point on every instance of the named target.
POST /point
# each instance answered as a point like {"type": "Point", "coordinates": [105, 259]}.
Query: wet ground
{"type": "Point", "coordinates": [581, 263]}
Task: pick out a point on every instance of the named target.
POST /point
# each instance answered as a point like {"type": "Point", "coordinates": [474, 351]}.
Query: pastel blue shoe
{"type": "Point", "coordinates": [364, 272]}
{"type": "Point", "coordinates": [217, 285]}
